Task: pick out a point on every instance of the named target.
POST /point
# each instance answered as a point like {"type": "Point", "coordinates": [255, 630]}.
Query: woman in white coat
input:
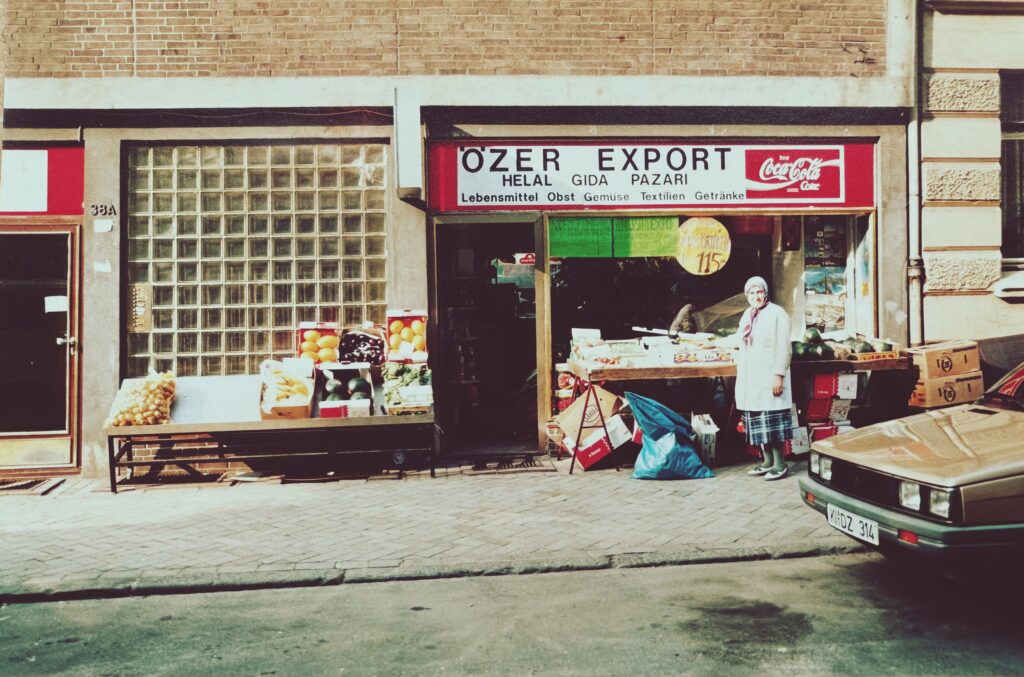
{"type": "Point", "coordinates": [763, 384]}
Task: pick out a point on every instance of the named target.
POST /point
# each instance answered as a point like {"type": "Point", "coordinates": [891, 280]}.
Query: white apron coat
{"type": "Point", "coordinates": [769, 354]}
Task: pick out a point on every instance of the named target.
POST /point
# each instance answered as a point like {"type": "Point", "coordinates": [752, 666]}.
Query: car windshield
{"type": "Point", "coordinates": [1010, 388]}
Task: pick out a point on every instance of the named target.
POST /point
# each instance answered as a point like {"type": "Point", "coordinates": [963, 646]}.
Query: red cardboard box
{"type": "Point", "coordinates": [593, 450]}
{"type": "Point", "coordinates": [407, 335]}
{"type": "Point", "coordinates": [834, 384]}
{"type": "Point", "coordinates": [596, 445]}
{"type": "Point", "coordinates": [318, 341]}
{"type": "Point", "coordinates": [820, 432]}
{"type": "Point", "coordinates": [827, 409]}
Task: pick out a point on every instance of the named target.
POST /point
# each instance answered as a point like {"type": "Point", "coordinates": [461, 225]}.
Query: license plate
{"type": "Point", "coordinates": [859, 527]}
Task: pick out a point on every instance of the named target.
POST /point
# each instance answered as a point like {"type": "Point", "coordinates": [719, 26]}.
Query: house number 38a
{"type": "Point", "coordinates": [102, 210]}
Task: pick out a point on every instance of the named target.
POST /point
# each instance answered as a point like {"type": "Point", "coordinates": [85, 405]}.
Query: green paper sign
{"type": "Point", "coordinates": [580, 238]}
{"type": "Point", "coordinates": [645, 236]}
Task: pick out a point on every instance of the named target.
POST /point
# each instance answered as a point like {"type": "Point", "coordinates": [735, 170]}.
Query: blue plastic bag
{"type": "Point", "coordinates": [668, 452]}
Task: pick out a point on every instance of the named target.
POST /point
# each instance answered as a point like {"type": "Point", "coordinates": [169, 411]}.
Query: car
{"type": "Point", "coordinates": [943, 488]}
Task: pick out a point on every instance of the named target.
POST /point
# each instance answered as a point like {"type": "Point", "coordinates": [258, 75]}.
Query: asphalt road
{"type": "Point", "coordinates": [843, 615]}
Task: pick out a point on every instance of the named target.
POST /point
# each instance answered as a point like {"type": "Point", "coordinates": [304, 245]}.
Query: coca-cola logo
{"type": "Point", "coordinates": [800, 169]}
{"type": "Point", "coordinates": [795, 171]}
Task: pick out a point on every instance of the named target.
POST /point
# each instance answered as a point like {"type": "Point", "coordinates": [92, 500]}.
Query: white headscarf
{"type": "Point", "coordinates": [748, 328]}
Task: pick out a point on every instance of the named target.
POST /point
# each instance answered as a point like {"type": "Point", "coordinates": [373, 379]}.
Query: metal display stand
{"type": "Point", "coordinates": [222, 414]}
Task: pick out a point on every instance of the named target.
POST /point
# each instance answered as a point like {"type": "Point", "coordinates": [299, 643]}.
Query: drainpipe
{"type": "Point", "coordinates": [915, 260]}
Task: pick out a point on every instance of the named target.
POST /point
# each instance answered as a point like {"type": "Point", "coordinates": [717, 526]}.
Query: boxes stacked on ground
{"type": "Point", "coordinates": [948, 373]}
{"type": "Point", "coordinates": [824, 403]}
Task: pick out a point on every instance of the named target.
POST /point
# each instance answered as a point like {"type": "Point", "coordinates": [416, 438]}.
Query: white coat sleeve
{"type": "Point", "coordinates": [783, 349]}
{"type": "Point", "coordinates": [735, 340]}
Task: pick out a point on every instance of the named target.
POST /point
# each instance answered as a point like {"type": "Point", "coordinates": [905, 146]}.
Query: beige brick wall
{"type": "Point", "coordinates": [77, 38]}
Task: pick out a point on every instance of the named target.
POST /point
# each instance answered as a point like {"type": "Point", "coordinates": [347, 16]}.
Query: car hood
{"type": "Point", "coordinates": [948, 447]}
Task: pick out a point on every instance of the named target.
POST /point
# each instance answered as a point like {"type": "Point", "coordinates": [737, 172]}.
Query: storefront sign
{"type": "Point", "coordinates": [512, 175]}
{"type": "Point", "coordinates": [704, 246]}
{"type": "Point", "coordinates": [47, 181]}
{"type": "Point", "coordinates": [580, 238]}
{"type": "Point", "coordinates": [653, 236]}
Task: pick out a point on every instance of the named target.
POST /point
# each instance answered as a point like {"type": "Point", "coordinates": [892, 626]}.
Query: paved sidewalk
{"type": "Point", "coordinates": [82, 541]}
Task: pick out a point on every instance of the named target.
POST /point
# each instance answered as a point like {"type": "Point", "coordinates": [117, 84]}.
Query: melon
{"type": "Point", "coordinates": [812, 335]}
{"type": "Point", "coordinates": [359, 385]}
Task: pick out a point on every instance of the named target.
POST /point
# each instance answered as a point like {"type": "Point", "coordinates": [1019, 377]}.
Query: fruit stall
{"type": "Point", "coordinates": [364, 389]}
{"type": "Point", "coordinates": [830, 378]}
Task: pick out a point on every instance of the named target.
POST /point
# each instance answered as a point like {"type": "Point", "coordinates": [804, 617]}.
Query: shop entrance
{"type": "Point", "coordinates": [38, 360]}
{"type": "Point", "coordinates": [485, 372]}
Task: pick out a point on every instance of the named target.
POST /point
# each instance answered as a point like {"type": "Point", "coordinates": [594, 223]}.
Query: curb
{"type": "Point", "coordinates": [186, 584]}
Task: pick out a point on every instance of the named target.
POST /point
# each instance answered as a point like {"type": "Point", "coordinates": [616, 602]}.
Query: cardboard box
{"type": "Point", "coordinates": [573, 415]}
{"type": "Point", "coordinates": [801, 442]}
{"type": "Point", "coordinates": [363, 343]}
{"type": "Point", "coordinates": [947, 390]}
{"type": "Point", "coordinates": [706, 435]}
{"type": "Point", "coordinates": [347, 407]}
{"type": "Point", "coordinates": [596, 445]}
{"type": "Point", "coordinates": [270, 411]}
{"type": "Point", "coordinates": [834, 384]}
{"type": "Point", "coordinates": [827, 409]}
{"type": "Point", "coordinates": [407, 335]}
{"type": "Point", "coordinates": [319, 347]}
{"type": "Point", "coordinates": [275, 375]}
{"type": "Point", "coordinates": [945, 359]}
{"type": "Point", "coordinates": [821, 432]}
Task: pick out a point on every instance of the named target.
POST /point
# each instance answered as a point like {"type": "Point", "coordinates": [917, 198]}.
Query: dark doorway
{"type": "Point", "coordinates": [487, 403]}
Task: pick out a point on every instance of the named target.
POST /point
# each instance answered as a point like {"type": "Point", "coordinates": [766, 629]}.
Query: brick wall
{"type": "Point", "coordinates": [146, 38]}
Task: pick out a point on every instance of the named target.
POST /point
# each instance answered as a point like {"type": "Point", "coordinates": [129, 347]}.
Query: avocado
{"type": "Point", "coordinates": [359, 395]}
{"type": "Point", "coordinates": [812, 335]}
{"type": "Point", "coordinates": [335, 397]}
{"type": "Point", "coordinates": [333, 385]}
{"type": "Point", "coordinates": [799, 350]}
{"type": "Point", "coordinates": [359, 385]}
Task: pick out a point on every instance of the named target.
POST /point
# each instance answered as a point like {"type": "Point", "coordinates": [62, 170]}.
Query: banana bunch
{"type": "Point", "coordinates": [147, 403]}
{"type": "Point", "coordinates": [284, 387]}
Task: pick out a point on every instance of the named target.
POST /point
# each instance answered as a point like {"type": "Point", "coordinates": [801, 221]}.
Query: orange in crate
{"type": "Point", "coordinates": [407, 335]}
{"type": "Point", "coordinates": [318, 341]}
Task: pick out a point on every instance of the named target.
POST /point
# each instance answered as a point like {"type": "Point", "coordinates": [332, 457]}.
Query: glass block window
{"type": "Point", "coordinates": [241, 243]}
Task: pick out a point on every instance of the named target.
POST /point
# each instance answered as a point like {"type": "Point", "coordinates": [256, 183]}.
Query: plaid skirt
{"type": "Point", "coordinates": [763, 427]}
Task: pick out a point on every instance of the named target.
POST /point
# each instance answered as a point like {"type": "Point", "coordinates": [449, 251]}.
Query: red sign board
{"type": "Point", "coordinates": [519, 175]}
{"type": "Point", "coordinates": [42, 182]}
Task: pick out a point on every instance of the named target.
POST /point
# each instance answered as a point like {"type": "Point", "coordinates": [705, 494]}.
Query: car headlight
{"type": "Point", "coordinates": [938, 502]}
{"type": "Point", "coordinates": [910, 495]}
{"type": "Point", "coordinates": [815, 468]}
{"type": "Point", "coordinates": [826, 467]}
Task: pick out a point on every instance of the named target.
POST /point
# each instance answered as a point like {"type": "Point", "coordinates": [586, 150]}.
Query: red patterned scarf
{"type": "Point", "coordinates": [748, 328]}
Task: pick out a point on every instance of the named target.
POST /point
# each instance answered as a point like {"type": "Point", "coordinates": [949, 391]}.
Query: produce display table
{"type": "Point", "coordinates": [224, 410]}
{"type": "Point", "coordinates": [602, 374]}
{"type": "Point", "coordinates": [615, 373]}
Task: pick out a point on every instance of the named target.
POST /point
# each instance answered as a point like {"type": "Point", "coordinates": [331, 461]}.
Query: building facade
{"type": "Point", "coordinates": [250, 165]}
